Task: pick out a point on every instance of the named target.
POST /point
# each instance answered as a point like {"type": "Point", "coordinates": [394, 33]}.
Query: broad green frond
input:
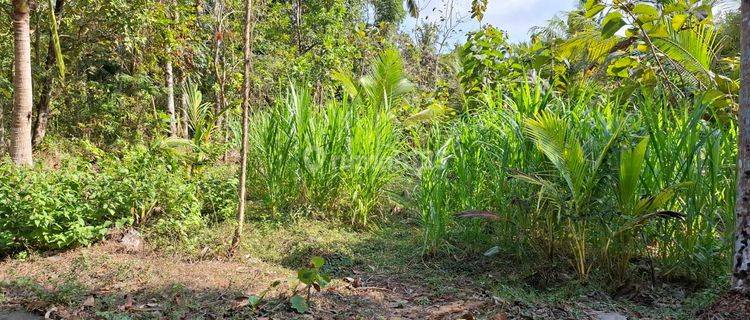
{"type": "Point", "coordinates": [695, 49]}
{"type": "Point", "coordinates": [553, 136]}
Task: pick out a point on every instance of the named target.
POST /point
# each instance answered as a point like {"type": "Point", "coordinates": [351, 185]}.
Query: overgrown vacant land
{"type": "Point", "coordinates": [376, 274]}
{"type": "Point", "coordinates": [230, 159]}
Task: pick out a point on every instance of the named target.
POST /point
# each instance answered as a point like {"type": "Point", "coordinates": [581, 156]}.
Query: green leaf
{"type": "Point", "coordinates": [253, 300]}
{"type": "Point", "coordinates": [678, 21]}
{"type": "Point", "coordinates": [317, 262]}
{"type": "Point", "coordinates": [656, 29]}
{"type": "Point", "coordinates": [299, 304]}
{"type": "Point", "coordinates": [711, 95]}
{"type": "Point", "coordinates": [726, 84]}
{"type": "Point", "coordinates": [695, 49]}
{"type": "Point", "coordinates": [306, 276]}
{"type": "Point", "coordinates": [611, 24]}
{"type": "Point", "coordinates": [645, 12]}
{"type": "Point", "coordinates": [631, 165]}
{"type": "Point", "coordinates": [324, 280]}
{"type": "Point", "coordinates": [676, 6]}
{"type": "Point", "coordinates": [620, 67]}
{"type": "Point", "coordinates": [642, 47]}
{"type": "Point", "coordinates": [631, 32]}
{"type": "Point", "coordinates": [593, 7]}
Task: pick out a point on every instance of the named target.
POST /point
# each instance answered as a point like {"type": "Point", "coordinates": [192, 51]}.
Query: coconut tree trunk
{"type": "Point", "coordinates": [20, 148]}
{"type": "Point", "coordinates": [45, 98]}
{"type": "Point", "coordinates": [741, 261]}
{"type": "Point", "coordinates": [245, 110]}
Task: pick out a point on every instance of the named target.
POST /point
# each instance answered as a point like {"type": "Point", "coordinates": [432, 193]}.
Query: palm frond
{"type": "Point", "coordinates": [386, 83]}
{"type": "Point", "coordinates": [412, 7]}
{"type": "Point", "coordinates": [631, 166]}
{"type": "Point", "coordinates": [695, 49]}
{"type": "Point", "coordinates": [554, 137]}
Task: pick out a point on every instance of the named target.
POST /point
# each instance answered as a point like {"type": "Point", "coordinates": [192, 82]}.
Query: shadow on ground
{"type": "Point", "coordinates": [378, 274]}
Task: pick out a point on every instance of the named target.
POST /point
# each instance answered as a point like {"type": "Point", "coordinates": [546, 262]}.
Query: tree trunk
{"type": "Point", "coordinates": [219, 64]}
{"type": "Point", "coordinates": [169, 74]}
{"type": "Point", "coordinates": [170, 99]}
{"type": "Point", "coordinates": [3, 111]}
{"type": "Point", "coordinates": [45, 98]}
{"type": "Point", "coordinates": [741, 261]}
{"type": "Point", "coordinates": [20, 149]}
{"type": "Point", "coordinates": [184, 107]}
{"type": "Point", "coordinates": [2, 129]}
{"type": "Point", "coordinates": [298, 25]}
{"type": "Point", "coordinates": [245, 110]}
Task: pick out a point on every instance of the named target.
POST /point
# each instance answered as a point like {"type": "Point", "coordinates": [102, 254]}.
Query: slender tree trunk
{"type": "Point", "coordinates": [741, 261]}
{"type": "Point", "coordinates": [298, 25]}
{"type": "Point", "coordinates": [170, 99]}
{"type": "Point", "coordinates": [20, 149]}
{"type": "Point", "coordinates": [184, 107]}
{"type": "Point", "coordinates": [219, 64]}
{"type": "Point", "coordinates": [2, 129]}
{"type": "Point", "coordinates": [245, 110]}
{"type": "Point", "coordinates": [3, 145]}
{"type": "Point", "coordinates": [169, 73]}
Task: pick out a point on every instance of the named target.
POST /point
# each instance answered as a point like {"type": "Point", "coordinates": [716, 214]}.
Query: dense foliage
{"type": "Point", "coordinates": [605, 143]}
{"type": "Point", "coordinates": [90, 191]}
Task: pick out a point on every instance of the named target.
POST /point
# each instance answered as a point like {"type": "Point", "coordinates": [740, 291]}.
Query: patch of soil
{"type": "Point", "coordinates": [730, 306]}
{"type": "Point", "coordinates": [104, 279]}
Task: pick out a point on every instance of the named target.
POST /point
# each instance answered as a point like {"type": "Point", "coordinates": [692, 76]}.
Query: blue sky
{"type": "Point", "coordinates": [513, 16]}
{"type": "Point", "coordinates": [517, 16]}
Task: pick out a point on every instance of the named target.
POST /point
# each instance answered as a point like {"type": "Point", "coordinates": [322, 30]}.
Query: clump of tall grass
{"type": "Point", "coordinates": [334, 159]}
{"type": "Point", "coordinates": [594, 180]}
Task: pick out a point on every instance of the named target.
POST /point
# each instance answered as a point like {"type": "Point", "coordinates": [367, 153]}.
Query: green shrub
{"type": "Point", "coordinates": [43, 208]}
{"type": "Point", "coordinates": [217, 191]}
{"type": "Point", "coordinates": [48, 209]}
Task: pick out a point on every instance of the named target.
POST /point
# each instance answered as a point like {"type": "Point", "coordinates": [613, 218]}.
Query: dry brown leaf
{"type": "Point", "coordinates": [240, 302]}
{"type": "Point", "coordinates": [89, 302]}
{"type": "Point", "coordinates": [500, 316]}
{"type": "Point", "coordinates": [128, 303]}
{"type": "Point", "coordinates": [468, 316]}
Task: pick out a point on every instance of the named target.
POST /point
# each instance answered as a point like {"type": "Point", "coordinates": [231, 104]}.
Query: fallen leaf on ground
{"type": "Point", "coordinates": [468, 316]}
{"type": "Point", "coordinates": [128, 303]}
{"type": "Point", "coordinates": [500, 316]}
{"type": "Point", "coordinates": [240, 302]}
{"type": "Point", "coordinates": [89, 302]}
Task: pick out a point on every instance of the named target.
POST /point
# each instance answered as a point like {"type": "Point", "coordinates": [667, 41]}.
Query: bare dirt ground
{"type": "Point", "coordinates": [372, 279]}
{"type": "Point", "coordinates": [103, 280]}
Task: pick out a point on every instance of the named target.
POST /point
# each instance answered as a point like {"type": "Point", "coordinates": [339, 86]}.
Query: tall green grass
{"type": "Point", "coordinates": [606, 185]}
{"type": "Point", "coordinates": [589, 180]}
{"type": "Point", "coordinates": [332, 161]}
